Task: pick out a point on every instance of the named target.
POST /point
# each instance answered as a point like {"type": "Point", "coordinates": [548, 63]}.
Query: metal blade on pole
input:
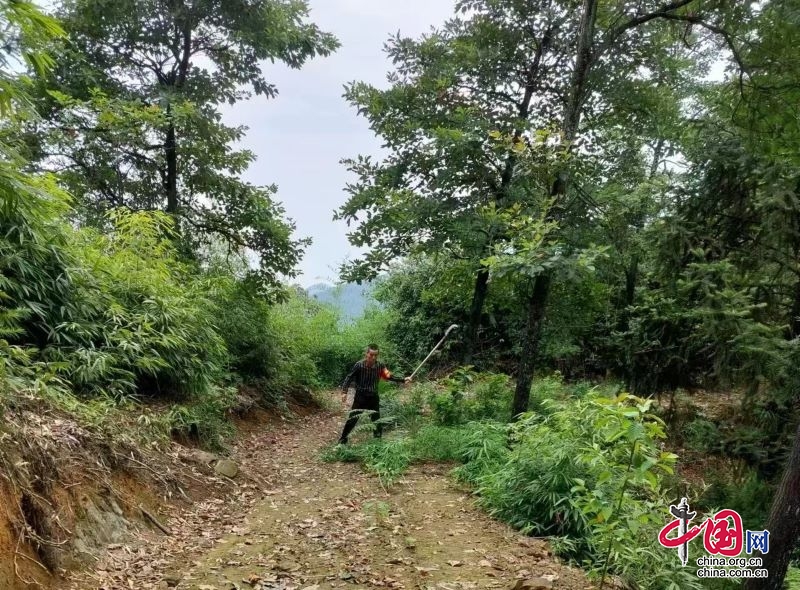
{"type": "Point", "coordinates": [446, 334]}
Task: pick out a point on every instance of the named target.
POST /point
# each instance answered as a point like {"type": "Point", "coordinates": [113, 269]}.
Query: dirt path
{"type": "Point", "coordinates": [294, 522]}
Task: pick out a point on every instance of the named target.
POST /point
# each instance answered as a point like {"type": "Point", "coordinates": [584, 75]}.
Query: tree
{"type": "Point", "coordinates": [602, 36]}
{"type": "Point", "coordinates": [728, 260]}
{"type": "Point", "coordinates": [517, 69]}
{"type": "Point", "coordinates": [783, 525]}
{"type": "Point", "coordinates": [498, 69]}
{"type": "Point", "coordinates": [133, 120]}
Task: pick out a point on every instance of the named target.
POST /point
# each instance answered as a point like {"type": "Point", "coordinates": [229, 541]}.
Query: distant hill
{"type": "Point", "coordinates": [350, 299]}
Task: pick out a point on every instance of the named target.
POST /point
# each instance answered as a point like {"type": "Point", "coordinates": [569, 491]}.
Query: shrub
{"type": "Point", "coordinates": [589, 472]}
{"type": "Point", "coordinates": [485, 450]}
{"type": "Point", "coordinates": [702, 435]}
{"type": "Point", "coordinates": [440, 444]}
{"type": "Point", "coordinates": [744, 492]}
{"type": "Point", "coordinates": [388, 459]}
{"type": "Point", "coordinates": [447, 408]}
{"type": "Point", "coordinates": [543, 389]}
{"type": "Point", "coordinates": [243, 320]}
{"type": "Point", "coordinates": [205, 420]}
{"type": "Point", "coordinates": [35, 278]}
{"type": "Point", "coordinates": [405, 411]}
{"type": "Point", "coordinates": [489, 398]}
{"type": "Point", "coordinates": [140, 320]}
{"type": "Point", "coordinates": [471, 396]}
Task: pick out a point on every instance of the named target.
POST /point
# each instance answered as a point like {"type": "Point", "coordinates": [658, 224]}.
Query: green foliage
{"type": "Point", "coordinates": [33, 258]}
{"type": "Point", "coordinates": [447, 408]}
{"type": "Point", "coordinates": [587, 473]}
{"type": "Point", "coordinates": [131, 99]}
{"type": "Point", "coordinates": [142, 322]}
{"type": "Point", "coordinates": [341, 453]}
{"type": "Point", "coordinates": [243, 320]}
{"type": "Point", "coordinates": [315, 348]}
{"type": "Point", "coordinates": [297, 344]}
{"type": "Point", "coordinates": [439, 444]}
{"type": "Point", "coordinates": [205, 420]}
{"type": "Point", "coordinates": [424, 295]}
{"type": "Point", "coordinates": [544, 390]}
{"type": "Point", "coordinates": [421, 298]}
{"type": "Point", "coordinates": [454, 95]}
{"type": "Point", "coordinates": [26, 35]}
{"type": "Point", "coordinates": [702, 435]}
{"type": "Point", "coordinates": [404, 409]}
{"type": "Point", "coordinates": [485, 450]}
{"type": "Point", "coordinates": [793, 579]}
{"type": "Point", "coordinates": [388, 459]}
{"type": "Point", "coordinates": [110, 313]}
{"type": "Point", "coordinates": [470, 396]}
{"type": "Point", "coordinates": [742, 491]}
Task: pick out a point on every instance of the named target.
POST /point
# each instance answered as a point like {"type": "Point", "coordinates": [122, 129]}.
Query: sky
{"type": "Point", "coordinates": [300, 137]}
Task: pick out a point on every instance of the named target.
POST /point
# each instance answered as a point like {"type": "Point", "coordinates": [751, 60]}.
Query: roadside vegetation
{"type": "Point", "coordinates": [616, 233]}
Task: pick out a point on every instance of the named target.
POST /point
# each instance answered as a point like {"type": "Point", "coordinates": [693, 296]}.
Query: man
{"type": "Point", "coordinates": [365, 376]}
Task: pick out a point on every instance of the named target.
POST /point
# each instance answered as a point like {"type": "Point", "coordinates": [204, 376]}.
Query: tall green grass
{"type": "Point", "coordinates": [586, 470]}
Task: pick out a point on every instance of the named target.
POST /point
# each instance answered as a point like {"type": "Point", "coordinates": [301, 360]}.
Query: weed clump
{"type": "Point", "coordinates": [585, 469]}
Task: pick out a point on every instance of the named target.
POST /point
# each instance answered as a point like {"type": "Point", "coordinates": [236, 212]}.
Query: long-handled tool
{"type": "Point", "coordinates": [446, 334]}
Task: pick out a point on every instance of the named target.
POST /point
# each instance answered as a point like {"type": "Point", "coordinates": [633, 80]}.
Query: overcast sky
{"type": "Point", "coordinates": [300, 136]}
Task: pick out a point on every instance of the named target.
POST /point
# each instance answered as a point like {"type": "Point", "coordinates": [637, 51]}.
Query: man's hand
{"type": "Point", "coordinates": [407, 380]}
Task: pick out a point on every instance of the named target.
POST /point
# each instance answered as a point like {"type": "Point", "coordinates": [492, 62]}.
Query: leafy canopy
{"type": "Point", "coordinates": [133, 115]}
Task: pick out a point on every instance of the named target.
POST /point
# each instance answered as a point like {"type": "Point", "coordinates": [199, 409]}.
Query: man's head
{"type": "Point", "coordinates": [371, 354]}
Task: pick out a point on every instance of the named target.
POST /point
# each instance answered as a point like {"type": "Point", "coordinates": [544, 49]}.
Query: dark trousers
{"type": "Point", "coordinates": [363, 403]}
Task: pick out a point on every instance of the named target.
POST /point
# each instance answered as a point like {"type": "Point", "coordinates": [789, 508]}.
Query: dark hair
{"type": "Point", "coordinates": [372, 347]}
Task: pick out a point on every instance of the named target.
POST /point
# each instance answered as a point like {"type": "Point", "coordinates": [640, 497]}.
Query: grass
{"type": "Point", "coordinates": [793, 578]}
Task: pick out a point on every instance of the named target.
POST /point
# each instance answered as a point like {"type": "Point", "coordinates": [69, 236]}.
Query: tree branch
{"type": "Point", "coordinates": [717, 30]}
{"type": "Point", "coordinates": [640, 20]}
{"type": "Point", "coordinates": [667, 12]}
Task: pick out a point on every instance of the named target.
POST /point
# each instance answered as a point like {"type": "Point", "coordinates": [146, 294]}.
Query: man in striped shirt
{"type": "Point", "coordinates": [365, 376]}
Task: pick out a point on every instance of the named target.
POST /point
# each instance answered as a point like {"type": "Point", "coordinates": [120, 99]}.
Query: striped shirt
{"type": "Point", "coordinates": [366, 377]}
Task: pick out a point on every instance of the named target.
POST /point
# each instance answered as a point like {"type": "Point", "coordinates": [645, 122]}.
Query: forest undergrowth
{"type": "Point", "coordinates": [589, 467]}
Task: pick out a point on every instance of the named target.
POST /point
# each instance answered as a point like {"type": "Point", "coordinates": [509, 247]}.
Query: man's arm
{"type": "Point", "coordinates": [387, 375]}
{"type": "Point", "coordinates": [349, 379]}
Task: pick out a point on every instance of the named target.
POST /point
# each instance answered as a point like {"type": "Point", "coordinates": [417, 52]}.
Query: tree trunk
{"type": "Point", "coordinates": [183, 44]}
{"type": "Point", "coordinates": [631, 276]}
{"type": "Point", "coordinates": [783, 525]}
{"type": "Point", "coordinates": [482, 279]}
{"type": "Point", "coordinates": [794, 314]}
{"type": "Point", "coordinates": [572, 117]}
{"type": "Point", "coordinates": [475, 312]}
{"type": "Point", "coordinates": [584, 59]}
{"type": "Point", "coordinates": [530, 343]}
{"type": "Point", "coordinates": [171, 155]}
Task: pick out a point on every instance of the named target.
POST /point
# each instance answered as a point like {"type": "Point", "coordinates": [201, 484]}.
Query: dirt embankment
{"type": "Point", "coordinates": [69, 492]}
{"type": "Point", "coordinates": [286, 521]}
